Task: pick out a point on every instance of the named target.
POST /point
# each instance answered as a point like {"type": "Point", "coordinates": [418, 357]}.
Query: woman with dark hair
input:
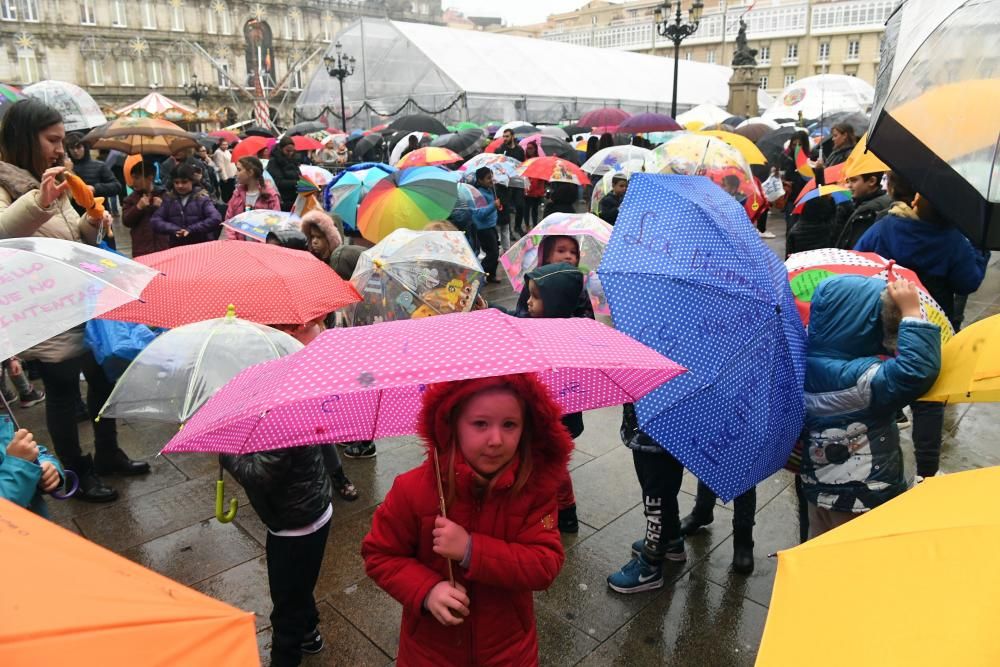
{"type": "Point", "coordinates": [252, 192]}
{"type": "Point", "coordinates": [33, 202]}
{"type": "Point", "coordinates": [607, 141]}
{"type": "Point", "coordinates": [844, 140]}
{"type": "Point", "coordinates": [593, 144]}
{"type": "Point", "coordinates": [284, 168]}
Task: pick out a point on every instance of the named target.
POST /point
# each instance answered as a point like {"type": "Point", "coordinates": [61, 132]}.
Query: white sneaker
{"type": "Point", "coordinates": [767, 235]}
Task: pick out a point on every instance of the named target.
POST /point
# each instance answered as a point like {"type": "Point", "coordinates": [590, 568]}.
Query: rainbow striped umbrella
{"type": "Point", "coordinates": [407, 199]}
{"type": "Point", "coordinates": [839, 193]}
{"type": "Point", "coordinates": [8, 95]}
{"type": "Point", "coordinates": [425, 157]}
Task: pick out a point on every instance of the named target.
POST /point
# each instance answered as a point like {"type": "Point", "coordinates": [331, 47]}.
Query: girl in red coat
{"type": "Point", "coordinates": [502, 449]}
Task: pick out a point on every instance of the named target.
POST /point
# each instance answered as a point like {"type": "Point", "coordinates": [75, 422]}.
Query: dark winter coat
{"type": "Point", "coordinates": [943, 258]}
{"type": "Point", "coordinates": [852, 460]}
{"type": "Point", "coordinates": [837, 155]}
{"type": "Point", "coordinates": [97, 174]}
{"type": "Point", "coordinates": [608, 208]}
{"type": "Point", "coordinates": [854, 218]}
{"type": "Point", "coordinates": [561, 198]}
{"type": "Point", "coordinates": [514, 151]}
{"type": "Point", "coordinates": [516, 547]}
{"type": "Point", "coordinates": [199, 216]}
{"type": "Point", "coordinates": [145, 239]}
{"type": "Point", "coordinates": [286, 175]}
{"type": "Point", "coordinates": [288, 488]}
{"type": "Point", "coordinates": [814, 228]}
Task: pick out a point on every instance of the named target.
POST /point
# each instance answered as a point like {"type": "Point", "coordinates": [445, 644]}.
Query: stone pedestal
{"type": "Point", "coordinates": [743, 92]}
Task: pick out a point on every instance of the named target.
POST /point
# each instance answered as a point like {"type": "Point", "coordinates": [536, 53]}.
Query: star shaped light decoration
{"type": "Point", "coordinates": [24, 40]}
{"type": "Point", "coordinates": [138, 46]}
{"type": "Point", "coordinates": [258, 12]}
{"type": "Point", "coordinates": [218, 6]}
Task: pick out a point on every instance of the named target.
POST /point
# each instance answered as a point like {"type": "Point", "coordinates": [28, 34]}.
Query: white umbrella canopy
{"type": "Point", "coordinates": [707, 114]}
{"type": "Point", "coordinates": [815, 96]}
{"type": "Point", "coordinates": [77, 107]}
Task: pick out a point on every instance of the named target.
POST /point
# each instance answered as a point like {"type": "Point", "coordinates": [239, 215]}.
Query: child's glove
{"type": "Point", "coordinates": [448, 604]}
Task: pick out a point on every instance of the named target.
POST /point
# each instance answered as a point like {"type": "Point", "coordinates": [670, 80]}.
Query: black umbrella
{"type": "Point", "coordinates": [559, 148]}
{"type": "Point", "coordinates": [733, 120]}
{"type": "Point", "coordinates": [522, 131]}
{"type": "Point", "coordinates": [209, 142]}
{"type": "Point", "coordinates": [772, 143]}
{"type": "Point", "coordinates": [418, 123]}
{"type": "Point", "coordinates": [465, 142]}
{"type": "Point", "coordinates": [258, 131]}
{"type": "Point", "coordinates": [306, 127]}
{"type": "Point", "coordinates": [366, 145]}
{"type": "Point", "coordinates": [573, 130]}
{"type": "Point", "coordinates": [858, 121]}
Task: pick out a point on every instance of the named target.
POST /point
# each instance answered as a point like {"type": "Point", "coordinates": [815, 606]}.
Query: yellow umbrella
{"type": "Point", "coordinates": [746, 147]}
{"type": "Point", "coordinates": [694, 125]}
{"type": "Point", "coordinates": [970, 365]}
{"type": "Point", "coordinates": [913, 582]}
{"type": "Point", "coordinates": [859, 162]}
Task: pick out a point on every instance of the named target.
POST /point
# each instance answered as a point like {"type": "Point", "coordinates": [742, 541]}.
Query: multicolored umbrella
{"type": "Point", "coordinates": [344, 193]}
{"type": "Point", "coordinates": [428, 157]}
{"type": "Point", "coordinates": [410, 275]}
{"type": "Point", "coordinates": [407, 199]}
{"type": "Point", "coordinates": [469, 197]}
{"type": "Point", "coordinates": [267, 284]}
{"type": "Point", "coordinates": [141, 136]}
{"type": "Point", "coordinates": [553, 169]}
{"type": "Point", "coordinates": [808, 269]}
{"type": "Point", "coordinates": [592, 235]}
{"type": "Point", "coordinates": [615, 158]}
{"type": "Point", "coordinates": [838, 193]}
{"type": "Point", "coordinates": [504, 168]}
{"type": "Point", "coordinates": [317, 175]}
{"type": "Point", "coordinates": [51, 285]}
{"type": "Point", "coordinates": [156, 105]}
{"type": "Point", "coordinates": [401, 142]}
{"type": "Point", "coordinates": [8, 95]}
{"type": "Point", "coordinates": [258, 223]}
{"type": "Point", "coordinates": [322, 395]}
{"type": "Point", "coordinates": [78, 109]}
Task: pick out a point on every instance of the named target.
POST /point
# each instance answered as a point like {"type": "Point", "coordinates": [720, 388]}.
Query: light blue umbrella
{"type": "Point", "coordinates": [344, 193]}
{"type": "Point", "coordinates": [686, 273]}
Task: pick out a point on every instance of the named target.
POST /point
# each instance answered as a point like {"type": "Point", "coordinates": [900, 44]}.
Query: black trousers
{"type": "Point", "coordinates": [928, 425]}
{"type": "Point", "coordinates": [531, 205]}
{"type": "Point", "coordinates": [62, 392]}
{"type": "Point", "coordinates": [744, 508]}
{"type": "Point", "coordinates": [489, 242]}
{"type": "Point", "coordinates": [660, 478]}
{"type": "Point", "coordinates": [292, 570]}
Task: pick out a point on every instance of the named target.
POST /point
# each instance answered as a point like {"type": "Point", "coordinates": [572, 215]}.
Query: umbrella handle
{"type": "Point", "coordinates": [224, 517]}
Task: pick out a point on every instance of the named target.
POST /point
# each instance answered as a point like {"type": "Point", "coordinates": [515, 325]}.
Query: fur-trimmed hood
{"type": "Point", "coordinates": [550, 441]}
{"type": "Point", "coordinates": [325, 224]}
{"type": "Point", "coordinates": [16, 181]}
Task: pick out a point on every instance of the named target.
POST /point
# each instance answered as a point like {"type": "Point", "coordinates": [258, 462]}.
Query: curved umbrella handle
{"type": "Point", "coordinates": [224, 517]}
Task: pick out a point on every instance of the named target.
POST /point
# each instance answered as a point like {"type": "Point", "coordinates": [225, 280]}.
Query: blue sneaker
{"type": "Point", "coordinates": [675, 550]}
{"type": "Point", "coordinates": [637, 576]}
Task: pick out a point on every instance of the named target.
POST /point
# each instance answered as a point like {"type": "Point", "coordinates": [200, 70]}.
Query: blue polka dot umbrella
{"type": "Point", "coordinates": [686, 273]}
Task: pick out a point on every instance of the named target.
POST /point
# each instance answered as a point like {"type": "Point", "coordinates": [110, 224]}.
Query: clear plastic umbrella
{"type": "Point", "coordinates": [613, 158]}
{"type": "Point", "coordinates": [183, 367]}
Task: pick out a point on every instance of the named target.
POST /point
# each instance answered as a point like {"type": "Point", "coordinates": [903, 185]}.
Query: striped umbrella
{"type": "Point", "coordinates": [407, 199]}
{"type": "Point", "coordinates": [430, 156]}
{"type": "Point", "coordinates": [8, 95]}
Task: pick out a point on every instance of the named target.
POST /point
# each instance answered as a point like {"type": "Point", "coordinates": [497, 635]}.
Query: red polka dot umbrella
{"type": "Point", "coordinates": [267, 284]}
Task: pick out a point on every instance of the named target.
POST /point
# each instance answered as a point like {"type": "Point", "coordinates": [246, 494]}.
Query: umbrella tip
{"type": "Point", "coordinates": [230, 311]}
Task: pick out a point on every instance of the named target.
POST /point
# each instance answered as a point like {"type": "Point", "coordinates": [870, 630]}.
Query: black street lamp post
{"type": "Point", "coordinates": [677, 31]}
{"type": "Point", "coordinates": [340, 66]}
{"type": "Point", "coordinates": [196, 91]}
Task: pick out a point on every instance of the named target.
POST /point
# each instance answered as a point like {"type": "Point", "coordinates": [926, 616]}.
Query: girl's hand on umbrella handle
{"type": "Point", "coordinates": [22, 446]}
{"type": "Point", "coordinates": [50, 480]}
{"type": "Point", "coordinates": [448, 604]}
{"type": "Point", "coordinates": [905, 295]}
{"type": "Point", "coordinates": [450, 539]}
{"type": "Point", "coordinates": [51, 188]}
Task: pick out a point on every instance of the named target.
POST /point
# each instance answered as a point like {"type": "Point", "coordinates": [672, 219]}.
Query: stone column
{"type": "Point", "coordinates": [743, 92]}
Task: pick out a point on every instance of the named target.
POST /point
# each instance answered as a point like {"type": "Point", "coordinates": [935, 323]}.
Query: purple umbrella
{"type": "Point", "coordinates": [649, 122]}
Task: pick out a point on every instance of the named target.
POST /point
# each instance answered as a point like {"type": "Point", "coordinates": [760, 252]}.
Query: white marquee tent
{"type": "Point", "coordinates": [479, 76]}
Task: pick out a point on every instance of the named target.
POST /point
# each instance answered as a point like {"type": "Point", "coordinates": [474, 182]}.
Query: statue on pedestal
{"type": "Point", "coordinates": [743, 55]}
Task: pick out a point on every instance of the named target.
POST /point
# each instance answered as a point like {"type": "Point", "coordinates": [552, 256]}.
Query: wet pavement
{"type": "Point", "coordinates": [704, 615]}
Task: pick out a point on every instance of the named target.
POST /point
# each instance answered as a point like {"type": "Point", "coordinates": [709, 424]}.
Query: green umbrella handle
{"type": "Point", "coordinates": [223, 517]}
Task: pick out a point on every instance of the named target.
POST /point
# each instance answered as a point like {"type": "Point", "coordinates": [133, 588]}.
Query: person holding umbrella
{"type": "Point", "coordinates": [485, 221]}
{"type": "Point", "coordinates": [252, 192]}
{"type": "Point", "coordinates": [223, 159]}
{"type": "Point", "coordinates": [506, 194]}
{"type": "Point", "coordinates": [34, 203]}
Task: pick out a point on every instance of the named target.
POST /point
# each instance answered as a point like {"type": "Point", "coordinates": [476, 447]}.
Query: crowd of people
{"type": "Point", "coordinates": [502, 442]}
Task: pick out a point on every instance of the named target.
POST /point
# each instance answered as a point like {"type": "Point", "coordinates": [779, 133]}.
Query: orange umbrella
{"type": "Point", "coordinates": [429, 156]}
{"type": "Point", "coordinates": [110, 611]}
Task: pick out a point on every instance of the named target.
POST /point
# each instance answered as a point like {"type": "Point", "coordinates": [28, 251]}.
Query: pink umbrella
{"type": "Point", "coordinates": [608, 116]}
{"type": "Point", "coordinates": [373, 390]}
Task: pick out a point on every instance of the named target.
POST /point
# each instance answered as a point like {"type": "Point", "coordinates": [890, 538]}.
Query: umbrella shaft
{"type": "Point", "coordinates": [10, 413]}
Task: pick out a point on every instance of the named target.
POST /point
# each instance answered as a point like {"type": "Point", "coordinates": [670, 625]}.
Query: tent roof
{"type": "Point", "coordinates": [482, 62]}
{"type": "Point", "coordinates": [154, 104]}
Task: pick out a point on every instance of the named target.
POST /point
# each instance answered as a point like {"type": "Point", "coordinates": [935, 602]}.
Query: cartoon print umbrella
{"type": "Point", "coordinates": [407, 199]}
{"type": "Point", "coordinates": [837, 193]}
{"type": "Point", "coordinates": [410, 275]}
{"type": "Point", "coordinates": [317, 175]}
{"type": "Point", "coordinates": [321, 395]}
{"type": "Point", "coordinates": [267, 284]}
{"type": "Point", "coordinates": [504, 168]}
{"type": "Point", "coordinates": [685, 274]}
{"type": "Point", "coordinates": [808, 269]}
{"type": "Point", "coordinates": [344, 193]}
{"type": "Point", "coordinates": [553, 169]}
{"type": "Point", "coordinates": [429, 156]}
{"type": "Point", "coordinates": [469, 197]}
{"type": "Point", "coordinates": [256, 224]}
{"type": "Point", "coordinates": [613, 158]}
{"type": "Point", "coordinates": [592, 235]}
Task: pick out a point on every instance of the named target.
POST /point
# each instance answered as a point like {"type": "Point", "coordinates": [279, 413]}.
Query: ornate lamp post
{"type": "Point", "coordinates": [340, 66]}
{"type": "Point", "coordinates": [196, 91]}
{"type": "Point", "coordinates": [676, 31]}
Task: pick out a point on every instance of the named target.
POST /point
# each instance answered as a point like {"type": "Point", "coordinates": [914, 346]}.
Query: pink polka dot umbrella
{"type": "Point", "coordinates": [321, 395]}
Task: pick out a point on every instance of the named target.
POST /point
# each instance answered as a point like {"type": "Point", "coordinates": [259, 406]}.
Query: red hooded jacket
{"type": "Point", "coordinates": [515, 542]}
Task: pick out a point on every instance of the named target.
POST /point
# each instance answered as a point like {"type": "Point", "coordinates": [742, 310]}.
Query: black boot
{"type": "Point", "coordinates": [693, 522]}
{"type": "Point", "coordinates": [120, 464]}
{"type": "Point", "coordinates": [567, 520]}
{"type": "Point", "coordinates": [91, 489]}
{"type": "Point", "coordinates": [743, 550]}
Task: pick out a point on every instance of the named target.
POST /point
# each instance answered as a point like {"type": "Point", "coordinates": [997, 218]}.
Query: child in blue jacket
{"type": "Point", "coordinates": [27, 470]}
{"type": "Point", "coordinates": [854, 385]}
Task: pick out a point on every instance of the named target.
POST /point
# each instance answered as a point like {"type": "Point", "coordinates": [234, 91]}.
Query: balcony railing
{"type": "Point", "coordinates": [790, 60]}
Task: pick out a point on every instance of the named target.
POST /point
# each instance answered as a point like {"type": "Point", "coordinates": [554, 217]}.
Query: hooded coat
{"type": "Point", "coordinates": [516, 547]}
{"type": "Point", "coordinates": [286, 174]}
{"type": "Point", "coordinates": [198, 215]}
{"type": "Point", "coordinates": [852, 460]}
{"type": "Point", "coordinates": [326, 226]}
{"type": "Point", "coordinates": [855, 217]}
{"type": "Point", "coordinates": [97, 174]}
{"type": "Point", "coordinates": [139, 221]}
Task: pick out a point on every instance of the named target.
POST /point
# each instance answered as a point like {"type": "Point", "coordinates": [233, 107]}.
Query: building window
{"type": "Point", "coordinates": [210, 23]}
{"type": "Point", "coordinates": [183, 72]}
{"type": "Point", "coordinates": [688, 55]}
{"type": "Point", "coordinates": [764, 56]}
{"type": "Point", "coordinates": [148, 10]}
{"type": "Point", "coordinates": [30, 10]}
{"type": "Point", "coordinates": [327, 27]}
{"type": "Point", "coordinates": [27, 65]}
{"type": "Point", "coordinates": [176, 16]}
{"type": "Point", "coordinates": [127, 74]}
{"type": "Point", "coordinates": [824, 50]}
{"type": "Point", "coordinates": [223, 73]}
{"type": "Point", "coordinates": [792, 51]}
{"type": "Point", "coordinates": [87, 14]}
{"type": "Point", "coordinates": [154, 72]}
{"type": "Point", "coordinates": [118, 17]}
{"type": "Point", "coordinates": [710, 58]}
{"type": "Point", "coordinates": [789, 80]}
{"type": "Point", "coordinates": [95, 72]}
{"type": "Point", "coordinates": [293, 24]}
{"type": "Point", "coordinates": [296, 79]}
{"type": "Point", "coordinates": [763, 82]}
{"type": "Point", "coordinates": [8, 10]}
{"type": "Point", "coordinates": [226, 20]}
{"type": "Point", "coordinates": [853, 49]}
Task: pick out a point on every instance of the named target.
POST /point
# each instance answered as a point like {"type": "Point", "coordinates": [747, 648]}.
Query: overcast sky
{"type": "Point", "coordinates": [514, 12]}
